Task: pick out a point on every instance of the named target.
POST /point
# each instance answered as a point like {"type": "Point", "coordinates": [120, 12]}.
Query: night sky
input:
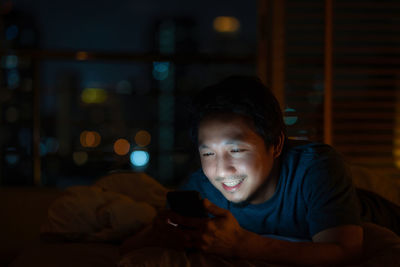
{"type": "Point", "coordinates": [113, 27]}
{"type": "Point", "coordinates": [126, 25]}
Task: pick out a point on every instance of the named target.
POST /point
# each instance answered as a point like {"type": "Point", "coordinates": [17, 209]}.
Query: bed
{"type": "Point", "coordinates": [86, 224]}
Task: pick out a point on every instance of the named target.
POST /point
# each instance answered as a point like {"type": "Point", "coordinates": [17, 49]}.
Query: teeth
{"type": "Point", "coordinates": [233, 183]}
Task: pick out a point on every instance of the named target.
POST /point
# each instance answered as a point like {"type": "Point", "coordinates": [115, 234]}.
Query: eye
{"type": "Point", "coordinates": [207, 154]}
{"type": "Point", "coordinates": [237, 150]}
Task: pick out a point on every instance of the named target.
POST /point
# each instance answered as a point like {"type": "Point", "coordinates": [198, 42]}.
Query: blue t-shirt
{"type": "Point", "coordinates": [314, 192]}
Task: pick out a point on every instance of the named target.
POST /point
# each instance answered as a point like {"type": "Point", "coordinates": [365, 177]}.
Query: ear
{"type": "Point", "coordinates": [278, 148]}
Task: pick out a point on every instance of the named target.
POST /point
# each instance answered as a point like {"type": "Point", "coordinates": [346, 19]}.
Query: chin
{"type": "Point", "coordinates": [236, 200]}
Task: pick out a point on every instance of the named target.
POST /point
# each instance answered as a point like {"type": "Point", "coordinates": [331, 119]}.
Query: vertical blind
{"type": "Point", "coordinates": [366, 77]}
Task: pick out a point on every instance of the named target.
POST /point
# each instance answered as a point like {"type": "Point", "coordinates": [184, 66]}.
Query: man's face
{"type": "Point", "coordinates": [234, 158]}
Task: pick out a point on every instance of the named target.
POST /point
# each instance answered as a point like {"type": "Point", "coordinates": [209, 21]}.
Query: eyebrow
{"type": "Point", "coordinates": [228, 142]}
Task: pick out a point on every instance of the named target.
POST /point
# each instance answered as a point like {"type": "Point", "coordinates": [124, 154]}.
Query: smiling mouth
{"type": "Point", "coordinates": [232, 186]}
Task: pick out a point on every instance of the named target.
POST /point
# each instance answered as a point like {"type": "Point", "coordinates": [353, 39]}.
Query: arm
{"type": "Point", "coordinates": [337, 245]}
{"type": "Point", "coordinates": [138, 240]}
{"type": "Point", "coordinates": [223, 235]}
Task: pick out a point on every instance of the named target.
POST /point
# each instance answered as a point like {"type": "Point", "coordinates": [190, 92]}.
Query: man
{"type": "Point", "coordinates": [262, 191]}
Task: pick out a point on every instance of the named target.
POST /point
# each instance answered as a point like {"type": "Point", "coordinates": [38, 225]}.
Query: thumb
{"type": "Point", "coordinates": [214, 209]}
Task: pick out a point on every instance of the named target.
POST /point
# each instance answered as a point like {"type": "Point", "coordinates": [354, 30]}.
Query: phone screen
{"type": "Point", "coordinates": [186, 203]}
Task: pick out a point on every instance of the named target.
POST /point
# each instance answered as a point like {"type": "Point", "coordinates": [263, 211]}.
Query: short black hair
{"type": "Point", "coordinates": [244, 95]}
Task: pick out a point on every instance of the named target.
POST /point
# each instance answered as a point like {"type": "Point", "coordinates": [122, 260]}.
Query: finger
{"type": "Point", "coordinates": [161, 218]}
{"type": "Point", "coordinates": [166, 215]}
{"type": "Point", "coordinates": [187, 221]}
{"type": "Point", "coordinates": [214, 209]}
{"type": "Point", "coordinates": [191, 238]}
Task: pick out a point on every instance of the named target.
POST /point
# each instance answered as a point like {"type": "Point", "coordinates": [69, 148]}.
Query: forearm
{"type": "Point", "coordinates": [158, 234]}
{"type": "Point", "coordinates": [294, 253]}
{"type": "Point", "coordinates": [138, 240]}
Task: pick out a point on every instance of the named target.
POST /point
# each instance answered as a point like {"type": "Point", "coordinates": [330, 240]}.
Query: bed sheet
{"type": "Point", "coordinates": [381, 248]}
{"type": "Point", "coordinates": [68, 254]}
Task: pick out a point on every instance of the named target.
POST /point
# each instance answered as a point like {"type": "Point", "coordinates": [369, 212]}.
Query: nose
{"type": "Point", "coordinates": [224, 166]}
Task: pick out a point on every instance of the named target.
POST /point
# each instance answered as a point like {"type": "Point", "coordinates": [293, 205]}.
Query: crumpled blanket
{"type": "Point", "coordinates": [115, 207]}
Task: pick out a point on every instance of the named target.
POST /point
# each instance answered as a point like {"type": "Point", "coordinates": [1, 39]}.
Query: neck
{"type": "Point", "coordinates": [267, 190]}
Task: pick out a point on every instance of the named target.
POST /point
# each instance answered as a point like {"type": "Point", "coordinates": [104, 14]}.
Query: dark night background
{"type": "Point", "coordinates": [80, 75]}
{"type": "Point", "coordinates": [116, 35]}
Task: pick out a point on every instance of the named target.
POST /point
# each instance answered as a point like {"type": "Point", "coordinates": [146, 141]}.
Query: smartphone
{"type": "Point", "coordinates": [186, 203]}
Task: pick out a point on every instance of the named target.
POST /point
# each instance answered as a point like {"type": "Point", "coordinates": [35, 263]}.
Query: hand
{"type": "Point", "coordinates": [159, 234]}
{"type": "Point", "coordinates": [220, 235]}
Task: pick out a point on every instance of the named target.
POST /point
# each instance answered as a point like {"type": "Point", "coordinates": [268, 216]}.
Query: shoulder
{"type": "Point", "coordinates": [315, 166]}
{"type": "Point", "coordinates": [311, 150]}
{"type": "Point", "coordinates": [305, 155]}
{"type": "Point", "coordinates": [195, 181]}
{"type": "Point", "coordinates": [325, 185]}
{"type": "Point", "coordinates": [198, 181]}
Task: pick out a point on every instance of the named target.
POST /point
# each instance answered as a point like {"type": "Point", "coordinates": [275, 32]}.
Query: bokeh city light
{"type": "Point", "coordinates": [80, 157]}
{"type": "Point", "coordinates": [139, 158]}
{"type": "Point", "coordinates": [290, 116]}
{"type": "Point", "coordinates": [90, 139]}
{"type": "Point", "coordinates": [226, 24]}
{"type": "Point", "coordinates": [94, 95]}
{"type": "Point", "coordinates": [82, 55]}
{"type": "Point", "coordinates": [143, 138]}
{"type": "Point", "coordinates": [121, 147]}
